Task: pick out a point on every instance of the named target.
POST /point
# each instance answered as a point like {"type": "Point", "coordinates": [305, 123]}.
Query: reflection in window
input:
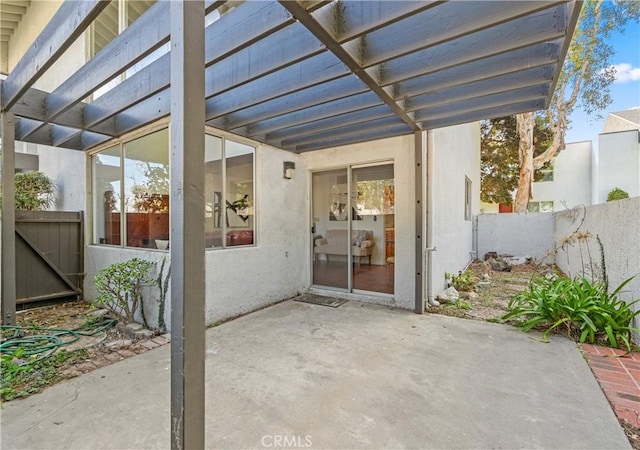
{"type": "Point", "coordinates": [146, 180]}
{"type": "Point", "coordinates": [376, 191]}
{"type": "Point", "coordinates": [133, 179]}
{"type": "Point", "coordinates": [229, 193]}
{"type": "Point", "coordinates": [107, 178]}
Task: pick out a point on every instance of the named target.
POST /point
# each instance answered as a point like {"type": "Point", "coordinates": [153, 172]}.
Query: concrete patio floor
{"type": "Point", "coordinates": [357, 376]}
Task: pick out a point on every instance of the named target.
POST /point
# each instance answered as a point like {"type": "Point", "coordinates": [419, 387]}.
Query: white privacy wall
{"type": "Point", "coordinates": [456, 155]}
{"type": "Point", "coordinates": [515, 234]}
{"type": "Point", "coordinates": [400, 151]}
{"type": "Point", "coordinates": [618, 226]}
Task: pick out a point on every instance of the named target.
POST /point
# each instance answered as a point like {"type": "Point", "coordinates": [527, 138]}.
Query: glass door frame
{"type": "Point", "coordinates": [349, 169]}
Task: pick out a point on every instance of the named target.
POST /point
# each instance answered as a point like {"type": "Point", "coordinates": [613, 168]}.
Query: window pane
{"type": "Point", "coordinates": [534, 207]}
{"type": "Point", "coordinates": [213, 195]}
{"type": "Point", "coordinates": [107, 196]}
{"type": "Point", "coordinates": [546, 206]}
{"type": "Point", "coordinates": [146, 180]}
{"type": "Point", "coordinates": [239, 195]}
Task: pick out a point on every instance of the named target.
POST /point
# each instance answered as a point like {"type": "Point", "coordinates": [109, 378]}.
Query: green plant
{"type": "Point", "coordinates": [119, 286]}
{"type": "Point", "coordinates": [23, 375]}
{"type": "Point", "coordinates": [463, 281]}
{"type": "Point", "coordinates": [583, 310]}
{"type": "Point", "coordinates": [34, 191]}
{"type": "Point", "coordinates": [616, 194]}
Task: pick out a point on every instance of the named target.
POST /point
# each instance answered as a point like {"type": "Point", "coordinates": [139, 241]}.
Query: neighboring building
{"type": "Point", "coordinates": [581, 176]}
{"type": "Point", "coordinates": [270, 203]}
{"type": "Point", "coordinates": [618, 158]}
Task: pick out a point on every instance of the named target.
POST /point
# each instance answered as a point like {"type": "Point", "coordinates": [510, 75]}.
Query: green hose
{"type": "Point", "coordinates": [48, 340]}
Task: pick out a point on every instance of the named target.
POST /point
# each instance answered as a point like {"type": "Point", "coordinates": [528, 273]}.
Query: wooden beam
{"type": "Point", "coordinates": [313, 71]}
{"type": "Point", "coordinates": [502, 64]}
{"type": "Point", "coordinates": [314, 113]}
{"type": "Point", "coordinates": [142, 37]}
{"type": "Point", "coordinates": [187, 226]}
{"type": "Point", "coordinates": [487, 101]}
{"type": "Point", "coordinates": [8, 244]}
{"type": "Point", "coordinates": [67, 24]}
{"type": "Point", "coordinates": [327, 39]}
{"type": "Point", "coordinates": [524, 32]}
{"type": "Point", "coordinates": [300, 100]}
{"type": "Point", "coordinates": [526, 78]}
{"type": "Point", "coordinates": [450, 21]}
{"type": "Point", "coordinates": [486, 113]}
{"type": "Point", "coordinates": [350, 118]}
{"type": "Point", "coordinates": [344, 131]}
{"type": "Point", "coordinates": [378, 133]}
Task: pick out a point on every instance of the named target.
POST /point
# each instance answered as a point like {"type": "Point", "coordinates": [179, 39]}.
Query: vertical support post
{"type": "Point", "coordinates": [419, 147]}
{"type": "Point", "coordinates": [8, 219]}
{"type": "Point", "coordinates": [187, 225]}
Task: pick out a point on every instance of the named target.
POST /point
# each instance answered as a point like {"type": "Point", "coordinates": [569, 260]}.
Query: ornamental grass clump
{"type": "Point", "coordinates": [579, 308]}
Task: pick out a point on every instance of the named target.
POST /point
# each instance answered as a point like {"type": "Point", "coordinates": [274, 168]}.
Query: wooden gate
{"type": "Point", "coordinates": [49, 255]}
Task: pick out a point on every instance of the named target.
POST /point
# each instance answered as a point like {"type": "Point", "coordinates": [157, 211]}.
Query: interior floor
{"type": "Point", "coordinates": [365, 277]}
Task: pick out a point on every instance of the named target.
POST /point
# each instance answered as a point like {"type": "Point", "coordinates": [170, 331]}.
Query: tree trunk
{"type": "Point", "coordinates": [525, 124]}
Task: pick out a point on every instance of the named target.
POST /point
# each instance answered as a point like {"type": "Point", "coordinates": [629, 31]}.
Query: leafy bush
{"type": "Point", "coordinates": [584, 310]}
{"type": "Point", "coordinates": [616, 194]}
{"type": "Point", "coordinates": [120, 284]}
{"type": "Point", "coordinates": [34, 191]}
{"type": "Point", "coordinates": [464, 281]}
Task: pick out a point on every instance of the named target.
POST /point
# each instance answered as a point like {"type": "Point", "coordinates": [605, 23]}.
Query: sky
{"type": "Point", "coordinates": [625, 91]}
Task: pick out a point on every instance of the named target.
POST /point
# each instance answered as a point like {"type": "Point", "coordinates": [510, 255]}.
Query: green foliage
{"type": "Point", "coordinates": [616, 194]}
{"type": "Point", "coordinates": [583, 310]}
{"type": "Point", "coordinates": [119, 286]}
{"type": "Point", "coordinates": [34, 191]}
{"type": "Point", "coordinates": [500, 163]}
{"type": "Point", "coordinates": [463, 281]}
{"type": "Point", "coordinates": [23, 375]}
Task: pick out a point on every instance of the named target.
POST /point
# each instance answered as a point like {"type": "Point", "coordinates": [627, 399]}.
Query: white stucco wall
{"type": "Point", "coordinates": [400, 151]}
{"type": "Point", "coordinates": [240, 280]}
{"type": "Point", "coordinates": [38, 14]}
{"type": "Point", "coordinates": [456, 155]}
{"type": "Point", "coordinates": [515, 234]}
{"type": "Point", "coordinates": [618, 226]}
{"type": "Point", "coordinates": [618, 163]}
{"type": "Point", "coordinates": [571, 185]}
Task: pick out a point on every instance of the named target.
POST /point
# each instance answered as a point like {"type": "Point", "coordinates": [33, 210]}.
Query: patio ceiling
{"type": "Point", "coordinates": [305, 75]}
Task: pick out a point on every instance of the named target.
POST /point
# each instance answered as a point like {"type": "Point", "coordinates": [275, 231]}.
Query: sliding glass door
{"type": "Point", "coordinates": [353, 213]}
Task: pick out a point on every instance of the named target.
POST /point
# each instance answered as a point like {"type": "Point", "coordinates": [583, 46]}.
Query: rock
{"type": "Point", "coordinates": [98, 314]}
{"type": "Point", "coordinates": [144, 334]}
{"type": "Point", "coordinates": [133, 328]}
{"type": "Point", "coordinates": [500, 265]}
{"type": "Point", "coordinates": [449, 295]}
{"type": "Point", "coordinates": [490, 255]}
{"type": "Point", "coordinates": [120, 343]}
{"type": "Point", "coordinates": [468, 295]}
{"type": "Point", "coordinates": [484, 284]}
{"type": "Point", "coordinates": [486, 277]}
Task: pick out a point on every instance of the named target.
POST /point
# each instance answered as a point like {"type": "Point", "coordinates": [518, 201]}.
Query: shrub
{"type": "Point", "coordinates": [616, 194]}
{"type": "Point", "coordinates": [34, 191]}
{"type": "Point", "coordinates": [464, 281]}
{"type": "Point", "coordinates": [120, 284]}
{"type": "Point", "coordinates": [583, 310]}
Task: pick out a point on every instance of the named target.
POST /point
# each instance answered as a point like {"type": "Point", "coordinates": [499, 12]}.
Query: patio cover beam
{"type": "Point", "coordinates": [67, 24]}
{"type": "Point", "coordinates": [143, 36]}
{"type": "Point", "coordinates": [8, 301]}
{"type": "Point", "coordinates": [187, 225]}
{"type": "Point", "coordinates": [300, 13]}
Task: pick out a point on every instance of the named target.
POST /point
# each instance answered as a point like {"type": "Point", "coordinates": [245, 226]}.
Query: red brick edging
{"type": "Point", "coordinates": [619, 378]}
